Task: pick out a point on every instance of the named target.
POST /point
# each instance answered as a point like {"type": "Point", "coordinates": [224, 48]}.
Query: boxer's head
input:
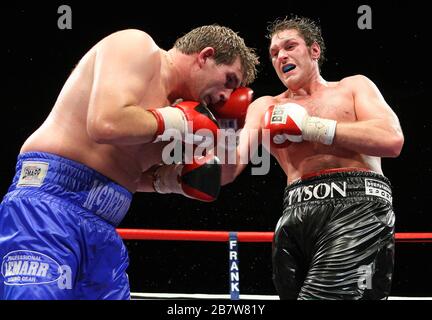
{"type": "Point", "coordinates": [228, 47]}
{"type": "Point", "coordinates": [306, 28]}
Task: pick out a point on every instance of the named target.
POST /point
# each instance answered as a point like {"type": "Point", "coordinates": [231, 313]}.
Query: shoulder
{"type": "Point", "coordinates": [360, 85]}
{"type": "Point", "coordinates": [261, 103]}
{"type": "Point", "coordinates": [356, 80]}
{"type": "Point", "coordinates": [270, 100]}
{"type": "Point", "coordinates": [126, 34]}
{"type": "Point", "coordinates": [130, 46]}
{"type": "Point", "coordinates": [263, 100]}
{"type": "Point", "coordinates": [130, 39]}
{"type": "Point", "coordinates": [258, 107]}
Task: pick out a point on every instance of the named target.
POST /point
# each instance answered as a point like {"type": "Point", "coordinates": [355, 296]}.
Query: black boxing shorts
{"type": "Point", "coordinates": [335, 239]}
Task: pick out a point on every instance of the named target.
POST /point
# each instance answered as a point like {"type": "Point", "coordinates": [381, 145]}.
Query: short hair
{"type": "Point", "coordinates": [228, 46]}
{"type": "Point", "coordinates": [308, 29]}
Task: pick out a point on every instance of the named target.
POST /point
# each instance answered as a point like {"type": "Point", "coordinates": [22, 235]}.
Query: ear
{"type": "Point", "coordinates": [206, 53]}
{"type": "Point", "coordinates": [315, 51]}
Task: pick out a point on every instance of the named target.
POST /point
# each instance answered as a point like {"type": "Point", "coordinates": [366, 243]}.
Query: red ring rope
{"type": "Point", "coordinates": [193, 235]}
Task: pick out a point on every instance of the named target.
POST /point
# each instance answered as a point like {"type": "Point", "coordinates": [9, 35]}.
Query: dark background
{"type": "Point", "coordinates": [38, 57]}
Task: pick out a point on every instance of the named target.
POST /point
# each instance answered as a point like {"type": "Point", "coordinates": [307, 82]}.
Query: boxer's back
{"type": "Point", "coordinates": [65, 131]}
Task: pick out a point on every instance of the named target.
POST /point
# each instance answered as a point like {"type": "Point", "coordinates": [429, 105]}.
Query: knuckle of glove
{"type": "Point", "coordinates": [201, 120]}
{"type": "Point", "coordinates": [201, 179]}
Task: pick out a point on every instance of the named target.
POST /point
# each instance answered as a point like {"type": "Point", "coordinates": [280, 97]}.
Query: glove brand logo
{"type": "Point", "coordinates": [25, 267]}
{"type": "Point", "coordinates": [317, 192]}
{"type": "Point", "coordinates": [33, 173]}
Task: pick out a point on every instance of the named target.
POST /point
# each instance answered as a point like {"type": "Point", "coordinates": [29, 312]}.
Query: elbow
{"type": "Point", "coordinates": [228, 176]}
{"type": "Point", "coordinates": [101, 131]}
{"type": "Point", "coordinates": [227, 179]}
{"type": "Point", "coordinates": [395, 146]}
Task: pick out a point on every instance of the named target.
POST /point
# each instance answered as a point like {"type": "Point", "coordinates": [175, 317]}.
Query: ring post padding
{"type": "Point", "coordinates": [234, 272]}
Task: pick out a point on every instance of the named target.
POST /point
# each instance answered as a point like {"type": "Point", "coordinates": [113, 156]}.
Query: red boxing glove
{"type": "Point", "coordinates": [186, 117]}
{"type": "Point", "coordinates": [199, 180]}
{"type": "Point", "coordinates": [276, 129]}
{"type": "Point", "coordinates": [290, 122]}
{"type": "Point", "coordinates": [232, 113]}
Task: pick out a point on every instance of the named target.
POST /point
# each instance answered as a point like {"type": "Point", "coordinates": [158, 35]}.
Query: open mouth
{"type": "Point", "coordinates": [288, 68]}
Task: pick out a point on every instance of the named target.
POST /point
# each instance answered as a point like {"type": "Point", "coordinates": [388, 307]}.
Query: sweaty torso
{"type": "Point", "coordinates": [65, 130]}
{"type": "Point", "coordinates": [334, 101]}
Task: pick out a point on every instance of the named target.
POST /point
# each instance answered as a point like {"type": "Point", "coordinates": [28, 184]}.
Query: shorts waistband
{"type": "Point", "coordinates": [338, 183]}
{"type": "Point", "coordinates": [333, 170]}
{"type": "Point", "coordinates": [73, 182]}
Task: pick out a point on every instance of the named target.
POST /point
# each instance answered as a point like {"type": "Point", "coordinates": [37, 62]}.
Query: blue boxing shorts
{"type": "Point", "coordinates": [57, 232]}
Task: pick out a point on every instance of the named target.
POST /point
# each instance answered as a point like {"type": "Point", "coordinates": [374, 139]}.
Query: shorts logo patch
{"type": "Point", "coordinates": [378, 189]}
{"type": "Point", "coordinates": [25, 267]}
{"type": "Point", "coordinates": [318, 192]}
{"type": "Point", "coordinates": [33, 173]}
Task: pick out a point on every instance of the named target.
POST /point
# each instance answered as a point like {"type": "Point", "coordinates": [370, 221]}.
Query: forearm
{"type": "Point", "coordinates": [230, 172]}
{"type": "Point", "coordinates": [162, 179]}
{"type": "Point", "coordinates": [146, 180]}
{"type": "Point", "coordinates": [129, 126]}
{"type": "Point", "coordinates": [199, 180]}
{"type": "Point", "coordinates": [236, 160]}
{"type": "Point", "coordinates": [372, 137]}
{"type": "Point", "coordinates": [230, 162]}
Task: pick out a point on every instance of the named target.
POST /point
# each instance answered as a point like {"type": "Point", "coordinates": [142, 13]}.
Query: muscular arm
{"type": "Point", "coordinates": [377, 131]}
{"type": "Point", "coordinates": [146, 180]}
{"type": "Point", "coordinates": [250, 138]}
{"type": "Point", "coordinates": [124, 64]}
{"type": "Point", "coordinates": [231, 171]}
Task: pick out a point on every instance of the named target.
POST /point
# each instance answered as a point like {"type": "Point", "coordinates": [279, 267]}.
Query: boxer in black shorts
{"type": "Point", "coordinates": [335, 237]}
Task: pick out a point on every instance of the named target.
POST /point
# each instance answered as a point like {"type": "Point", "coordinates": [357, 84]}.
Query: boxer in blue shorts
{"type": "Point", "coordinates": [102, 142]}
{"type": "Point", "coordinates": [58, 232]}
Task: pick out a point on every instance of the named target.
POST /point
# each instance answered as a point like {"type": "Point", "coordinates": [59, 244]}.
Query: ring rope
{"type": "Point", "coordinates": [243, 236]}
{"type": "Point", "coordinates": [231, 238]}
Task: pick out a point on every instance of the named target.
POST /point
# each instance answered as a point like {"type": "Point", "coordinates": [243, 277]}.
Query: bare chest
{"type": "Point", "coordinates": [299, 158]}
{"type": "Point", "coordinates": [331, 104]}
